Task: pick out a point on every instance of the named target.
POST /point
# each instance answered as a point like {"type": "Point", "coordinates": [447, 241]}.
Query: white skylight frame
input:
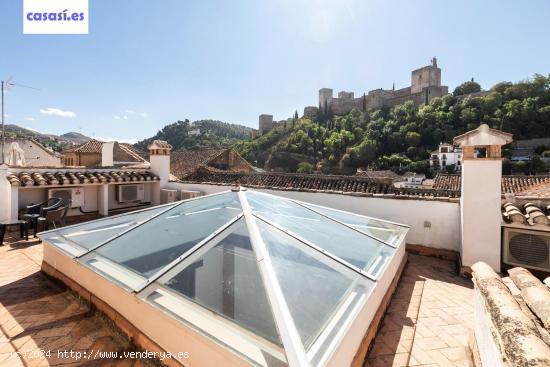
{"type": "Point", "coordinates": [293, 346]}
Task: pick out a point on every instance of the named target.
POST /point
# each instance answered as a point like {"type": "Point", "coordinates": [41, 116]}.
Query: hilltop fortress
{"type": "Point", "coordinates": [425, 85]}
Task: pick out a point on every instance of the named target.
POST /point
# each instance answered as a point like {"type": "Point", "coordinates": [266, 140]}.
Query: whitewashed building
{"type": "Point", "coordinates": [446, 155]}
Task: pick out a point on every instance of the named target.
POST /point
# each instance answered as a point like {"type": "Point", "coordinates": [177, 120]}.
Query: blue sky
{"type": "Point", "coordinates": [148, 63]}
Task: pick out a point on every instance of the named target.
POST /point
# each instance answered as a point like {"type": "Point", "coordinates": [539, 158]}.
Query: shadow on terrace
{"type": "Point", "coordinates": [38, 314]}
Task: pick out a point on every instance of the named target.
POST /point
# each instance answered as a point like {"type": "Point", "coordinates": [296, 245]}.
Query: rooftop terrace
{"type": "Point", "coordinates": [428, 322]}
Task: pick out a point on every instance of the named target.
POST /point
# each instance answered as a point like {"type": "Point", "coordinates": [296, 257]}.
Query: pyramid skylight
{"type": "Point", "coordinates": [275, 281]}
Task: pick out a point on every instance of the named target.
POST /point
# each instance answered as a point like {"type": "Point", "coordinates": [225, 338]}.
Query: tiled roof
{"type": "Point", "coordinates": [527, 213]}
{"type": "Point", "coordinates": [540, 191]}
{"type": "Point", "coordinates": [184, 162]}
{"type": "Point", "coordinates": [95, 146]}
{"type": "Point", "coordinates": [36, 178]}
{"type": "Point", "coordinates": [447, 182]}
{"type": "Point", "coordinates": [355, 185]}
{"type": "Point", "coordinates": [138, 155]}
{"type": "Point", "coordinates": [379, 175]}
{"type": "Point", "coordinates": [92, 146]}
{"type": "Point", "coordinates": [517, 310]}
{"type": "Point", "coordinates": [510, 184]}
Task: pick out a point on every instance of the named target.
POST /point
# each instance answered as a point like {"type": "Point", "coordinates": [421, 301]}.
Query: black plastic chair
{"type": "Point", "coordinates": [34, 211]}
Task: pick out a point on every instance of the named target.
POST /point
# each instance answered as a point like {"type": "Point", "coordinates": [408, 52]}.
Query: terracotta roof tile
{"type": "Point", "coordinates": [527, 213]}
{"type": "Point", "coordinates": [313, 182]}
{"type": "Point", "coordinates": [92, 146]}
{"type": "Point", "coordinates": [518, 185]}
{"type": "Point", "coordinates": [60, 178]}
{"type": "Point", "coordinates": [185, 162]}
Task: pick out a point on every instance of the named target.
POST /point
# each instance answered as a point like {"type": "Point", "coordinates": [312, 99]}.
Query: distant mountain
{"type": "Point", "coordinates": [75, 137]}
{"type": "Point", "coordinates": [199, 134]}
{"type": "Point", "coordinates": [57, 143]}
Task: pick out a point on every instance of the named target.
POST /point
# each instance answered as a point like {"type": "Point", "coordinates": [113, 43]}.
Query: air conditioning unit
{"type": "Point", "coordinates": [189, 194]}
{"type": "Point", "coordinates": [527, 248]}
{"type": "Point", "coordinates": [167, 196]}
{"type": "Point", "coordinates": [129, 193]}
{"type": "Point", "coordinates": [75, 194]}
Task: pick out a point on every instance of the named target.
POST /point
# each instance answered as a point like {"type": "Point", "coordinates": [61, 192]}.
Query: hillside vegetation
{"type": "Point", "coordinates": [52, 141]}
{"type": "Point", "coordinates": [401, 138]}
{"type": "Point", "coordinates": [213, 134]}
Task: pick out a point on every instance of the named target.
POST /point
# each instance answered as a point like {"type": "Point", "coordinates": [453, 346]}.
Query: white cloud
{"type": "Point", "coordinates": [120, 140]}
{"type": "Point", "coordinates": [117, 117]}
{"type": "Point", "coordinates": [130, 111]}
{"type": "Point", "coordinates": [143, 114]}
{"type": "Point", "coordinates": [57, 112]}
{"type": "Point", "coordinates": [29, 119]}
{"type": "Point", "coordinates": [31, 129]}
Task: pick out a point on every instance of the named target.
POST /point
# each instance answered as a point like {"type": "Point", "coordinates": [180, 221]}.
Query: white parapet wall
{"type": "Point", "coordinates": [433, 223]}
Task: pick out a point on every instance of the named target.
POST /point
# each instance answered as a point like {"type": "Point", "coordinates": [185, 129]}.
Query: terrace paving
{"type": "Point", "coordinates": [428, 322]}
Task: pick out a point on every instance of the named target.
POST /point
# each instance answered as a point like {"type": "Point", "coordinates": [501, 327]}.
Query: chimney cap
{"type": "Point", "coordinates": [483, 136]}
{"type": "Point", "coordinates": [159, 144]}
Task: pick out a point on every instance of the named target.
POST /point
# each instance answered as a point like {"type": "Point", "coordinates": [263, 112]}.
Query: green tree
{"type": "Point", "coordinates": [412, 138]}
{"type": "Point", "coordinates": [467, 88]}
{"type": "Point", "coordinates": [305, 167]}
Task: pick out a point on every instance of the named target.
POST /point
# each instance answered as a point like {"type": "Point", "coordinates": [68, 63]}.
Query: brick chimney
{"type": "Point", "coordinates": [480, 201]}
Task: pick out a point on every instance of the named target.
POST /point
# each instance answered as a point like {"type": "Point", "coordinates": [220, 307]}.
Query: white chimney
{"type": "Point", "coordinates": [480, 201]}
{"type": "Point", "coordinates": [159, 157]}
{"type": "Point", "coordinates": [107, 154]}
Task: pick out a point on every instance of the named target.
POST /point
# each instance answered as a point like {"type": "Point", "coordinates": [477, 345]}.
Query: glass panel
{"type": "Point", "coordinates": [390, 233]}
{"type": "Point", "coordinates": [223, 276]}
{"type": "Point", "coordinates": [78, 239]}
{"type": "Point", "coordinates": [321, 294]}
{"type": "Point", "coordinates": [356, 248]}
{"type": "Point", "coordinates": [158, 242]}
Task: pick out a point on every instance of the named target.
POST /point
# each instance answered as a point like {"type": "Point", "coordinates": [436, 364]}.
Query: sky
{"type": "Point", "coordinates": [145, 64]}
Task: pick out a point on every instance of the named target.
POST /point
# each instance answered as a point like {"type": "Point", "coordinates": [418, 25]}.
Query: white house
{"type": "Point", "coordinates": [91, 190]}
{"type": "Point", "coordinates": [413, 180]}
{"type": "Point", "coordinates": [446, 155]}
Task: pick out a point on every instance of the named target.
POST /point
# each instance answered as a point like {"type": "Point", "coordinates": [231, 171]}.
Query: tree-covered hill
{"type": "Point", "coordinates": [199, 134]}
{"type": "Point", "coordinates": [401, 138]}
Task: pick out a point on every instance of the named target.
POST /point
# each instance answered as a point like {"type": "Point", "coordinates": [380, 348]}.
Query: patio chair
{"type": "Point", "coordinates": [56, 216]}
{"type": "Point", "coordinates": [53, 218]}
{"type": "Point", "coordinates": [34, 211]}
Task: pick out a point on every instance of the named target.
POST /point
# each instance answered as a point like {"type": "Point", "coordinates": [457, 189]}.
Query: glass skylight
{"type": "Point", "coordinates": [275, 280]}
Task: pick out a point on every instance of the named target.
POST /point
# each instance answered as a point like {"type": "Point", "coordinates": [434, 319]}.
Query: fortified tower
{"type": "Point", "coordinates": [425, 77]}
{"type": "Point", "coordinates": [325, 100]}
{"type": "Point", "coordinates": [265, 123]}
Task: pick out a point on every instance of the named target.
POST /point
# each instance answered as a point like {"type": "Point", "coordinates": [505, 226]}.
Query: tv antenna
{"type": "Point", "coordinates": [6, 85]}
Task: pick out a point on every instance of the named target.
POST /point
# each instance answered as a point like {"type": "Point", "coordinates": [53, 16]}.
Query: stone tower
{"type": "Point", "coordinates": [425, 77]}
{"type": "Point", "coordinates": [480, 199]}
{"type": "Point", "coordinates": [325, 100]}
{"type": "Point", "coordinates": [265, 123]}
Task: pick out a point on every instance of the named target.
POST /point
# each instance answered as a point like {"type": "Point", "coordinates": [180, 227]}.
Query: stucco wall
{"type": "Point", "coordinates": [34, 195]}
{"type": "Point", "coordinates": [35, 155]}
{"type": "Point", "coordinates": [433, 223]}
